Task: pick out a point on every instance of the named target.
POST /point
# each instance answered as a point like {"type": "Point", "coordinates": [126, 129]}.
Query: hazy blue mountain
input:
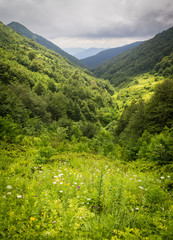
{"type": "Point", "coordinates": [88, 52]}
{"type": "Point", "coordinates": [44, 42]}
{"type": "Point", "coordinates": [74, 51]}
{"type": "Point", "coordinates": [107, 54]}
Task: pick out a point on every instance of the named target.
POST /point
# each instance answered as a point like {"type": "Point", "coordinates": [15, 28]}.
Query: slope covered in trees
{"type": "Point", "coordinates": [105, 55]}
{"type": "Point", "coordinates": [39, 88]}
{"type": "Point", "coordinates": [41, 91]}
{"type": "Point", "coordinates": [72, 166]}
{"type": "Point", "coordinates": [46, 43]}
{"type": "Point", "coordinates": [145, 129]}
{"type": "Point", "coordinates": [141, 59]}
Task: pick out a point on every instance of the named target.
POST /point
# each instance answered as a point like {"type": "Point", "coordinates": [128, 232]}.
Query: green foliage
{"type": "Point", "coordinates": [56, 126]}
{"type": "Point", "coordinates": [44, 42]}
{"type": "Point", "coordinates": [38, 87]}
{"type": "Point", "coordinates": [159, 110]}
{"type": "Point", "coordinates": [105, 55]}
{"type": "Point", "coordinates": [148, 119]}
{"type": "Point", "coordinates": [8, 129]}
{"type": "Point", "coordinates": [141, 59]}
{"type": "Point", "coordinates": [46, 194]}
{"type": "Point", "coordinates": [158, 147]}
{"type": "Point", "coordinates": [165, 67]}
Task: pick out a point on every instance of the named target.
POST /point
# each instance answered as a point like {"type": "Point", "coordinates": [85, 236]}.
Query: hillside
{"type": "Point", "coordinates": [106, 55]}
{"type": "Point", "coordinates": [44, 42]}
{"type": "Point", "coordinates": [81, 159]}
{"type": "Point", "coordinates": [46, 87]}
{"type": "Point", "coordinates": [141, 59]}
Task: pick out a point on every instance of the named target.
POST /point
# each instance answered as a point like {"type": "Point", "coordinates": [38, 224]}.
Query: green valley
{"type": "Point", "coordinates": [83, 157]}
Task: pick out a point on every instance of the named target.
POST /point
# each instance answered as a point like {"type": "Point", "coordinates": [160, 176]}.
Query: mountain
{"type": "Point", "coordinates": [88, 52]}
{"type": "Point", "coordinates": [106, 55]}
{"type": "Point", "coordinates": [39, 86]}
{"type": "Point", "coordinates": [72, 166]}
{"type": "Point", "coordinates": [73, 51]}
{"type": "Point", "coordinates": [41, 40]}
{"type": "Point", "coordinates": [140, 59]}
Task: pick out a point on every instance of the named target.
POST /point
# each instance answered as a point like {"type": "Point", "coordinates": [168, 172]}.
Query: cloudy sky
{"type": "Point", "coordinates": [90, 23]}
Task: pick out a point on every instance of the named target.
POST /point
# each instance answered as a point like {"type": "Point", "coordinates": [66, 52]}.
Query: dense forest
{"type": "Point", "coordinates": [105, 55]}
{"type": "Point", "coordinates": [44, 42]}
{"type": "Point", "coordinates": [83, 157]}
{"type": "Point", "coordinates": [139, 60]}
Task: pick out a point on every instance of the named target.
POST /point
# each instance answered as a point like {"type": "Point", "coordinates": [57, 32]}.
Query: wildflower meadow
{"type": "Point", "coordinates": [82, 196]}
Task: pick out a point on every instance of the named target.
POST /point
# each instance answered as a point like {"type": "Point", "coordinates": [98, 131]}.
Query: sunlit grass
{"type": "Point", "coordinates": [141, 85]}
{"type": "Point", "coordinates": [82, 196]}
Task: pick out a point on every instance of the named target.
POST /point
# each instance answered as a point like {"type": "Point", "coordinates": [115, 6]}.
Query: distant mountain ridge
{"type": "Point", "coordinates": [88, 53]}
{"type": "Point", "coordinates": [107, 54]}
{"type": "Point", "coordinates": [72, 51]}
{"type": "Point", "coordinates": [140, 59]}
{"type": "Point", "coordinates": [43, 41]}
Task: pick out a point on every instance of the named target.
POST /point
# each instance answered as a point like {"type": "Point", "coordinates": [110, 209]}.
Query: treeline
{"type": "Point", "coordinates": [165, 67]}
{"type": "Point", "coordinates": [139, 60]}
{"type": "Point", "coordinates": [145, 129]}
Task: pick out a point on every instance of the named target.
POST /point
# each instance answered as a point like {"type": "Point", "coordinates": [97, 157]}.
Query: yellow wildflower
{"type": "Point", "coordinates": [32, 218]}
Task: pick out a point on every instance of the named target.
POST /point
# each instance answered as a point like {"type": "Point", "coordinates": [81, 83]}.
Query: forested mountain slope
{"type": "Point", "coordinates": [38, 86]}
{"type": "Point", "coordinates": [80, 159]}
{"type": "Point", "coordinates": [46, 43]}
{"type": "Point", "coordinates": [141, 59]}
{"type": "Point", "coordinates": [106, 55]}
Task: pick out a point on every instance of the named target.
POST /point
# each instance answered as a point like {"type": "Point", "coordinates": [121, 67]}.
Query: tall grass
{"type": "Point", "coordinates": [81, 196]}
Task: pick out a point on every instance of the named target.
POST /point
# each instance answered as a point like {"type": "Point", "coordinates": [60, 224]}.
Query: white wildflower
{"type": "Point", "coordinates": [19, 196]}
{"type": "Point", "coordinates": [61, 174]}
{"type": "Point", "coordinates": [54, 182]}
{"type": "Point", "coordinates": [9, 187]}
{"type": "Point", "coordinates": [60, 191]}
{"type": "Point", "coordinates": [162, 177]}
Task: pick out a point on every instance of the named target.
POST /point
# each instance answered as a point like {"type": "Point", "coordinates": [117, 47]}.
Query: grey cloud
{"type": "Point", "coordinates": [90, 18]}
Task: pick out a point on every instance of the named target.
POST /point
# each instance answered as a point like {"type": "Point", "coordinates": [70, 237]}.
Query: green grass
{"type": "Point", "coordinates": [141, 85]}
{"type": "Point", "coordinates": [81, 196]}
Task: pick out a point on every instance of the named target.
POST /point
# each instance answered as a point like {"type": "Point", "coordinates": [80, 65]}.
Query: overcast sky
{"type": "Point", "coordinates": [90, 23]}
